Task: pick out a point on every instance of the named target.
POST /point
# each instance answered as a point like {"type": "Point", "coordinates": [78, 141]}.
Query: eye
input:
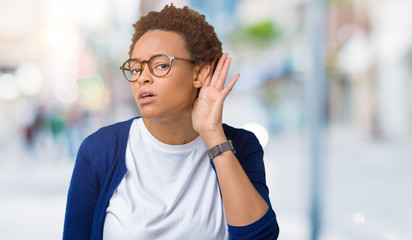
{"type": "Point", "coordinates": [162, 66]}
{"type": "Point", "coordinates": [135, 71]}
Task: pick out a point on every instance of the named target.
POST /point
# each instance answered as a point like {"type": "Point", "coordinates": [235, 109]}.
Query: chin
{"type": "Point", "coordinates": [152, 114]}
{"type": "Point", "coordinates": [147, 114]}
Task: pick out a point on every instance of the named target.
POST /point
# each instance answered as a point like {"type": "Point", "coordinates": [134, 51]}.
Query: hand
{"type": "Point", "coordinates": [208, 107]}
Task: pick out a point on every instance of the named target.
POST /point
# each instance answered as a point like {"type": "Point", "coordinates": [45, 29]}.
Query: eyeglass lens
{"type": "Point", "coordinates": [158, 65]}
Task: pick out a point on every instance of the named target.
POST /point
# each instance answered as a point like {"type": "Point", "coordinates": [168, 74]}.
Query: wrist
{"type": "Point", "coordinates": [221, 148]}
{"type": "Point", "coordinates": [213, 137]}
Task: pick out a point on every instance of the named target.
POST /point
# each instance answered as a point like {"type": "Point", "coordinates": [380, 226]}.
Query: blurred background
{"type": "Point", "coordinates": [325, 85]}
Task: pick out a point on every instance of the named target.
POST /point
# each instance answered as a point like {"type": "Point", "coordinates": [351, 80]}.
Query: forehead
{"type": "Point", "coordinates": [159, 41]}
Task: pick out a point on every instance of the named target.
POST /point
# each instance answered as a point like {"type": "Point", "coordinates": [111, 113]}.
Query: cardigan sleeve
{"type": "Point", "coordinates": [250, 155]}
{"type": "Point", "coordinates": [82, 197]}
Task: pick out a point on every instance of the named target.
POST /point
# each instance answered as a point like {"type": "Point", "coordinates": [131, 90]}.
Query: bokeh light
{"type": "Point", "coordinates": [29, 78]}
{"type": "Point", "coordinates": [67, 95]}
{"type": "Point", "coordinates": [358, 217]}
{"type": "Point", "coordinates": [389, 235]}
{"type": "Point", "coordinates": [9, 89]}
{"type": "Point", "coordinates": [91, 88]}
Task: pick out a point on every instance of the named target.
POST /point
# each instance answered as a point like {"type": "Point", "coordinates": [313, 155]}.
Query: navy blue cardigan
{"type": "Point", "coordinates": [100, 167]}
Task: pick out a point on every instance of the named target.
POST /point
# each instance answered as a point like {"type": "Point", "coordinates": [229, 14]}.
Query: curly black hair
{"type": "Point", "coordinates": [200, 37]}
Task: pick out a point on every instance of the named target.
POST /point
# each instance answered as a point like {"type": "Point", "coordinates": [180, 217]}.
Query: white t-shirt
{"type": "Point", "coordinates": [168, 192]}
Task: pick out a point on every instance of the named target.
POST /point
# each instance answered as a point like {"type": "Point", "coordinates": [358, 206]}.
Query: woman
{"type": "Point", "coordinates": [176, 172]}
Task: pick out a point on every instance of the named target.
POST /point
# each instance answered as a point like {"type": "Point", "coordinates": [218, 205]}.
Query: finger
{"type": "Point", "coordinates": [231, 84]}
{"type": "Point", "coordinates": [219, 66]}
{"type": "Point", "coordinates": [220, 81]}
{"type": "Point", "coordinates": [207, 82]}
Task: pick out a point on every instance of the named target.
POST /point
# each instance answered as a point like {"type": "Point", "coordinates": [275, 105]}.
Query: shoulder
{"type": "Point", "coordinates": [105, 142]}
{"type": "Point", "coordinates": [110, 134]}
{"type": "Point", "coordinates": [243, 140]}
{"type": "Point", "coordinates": [236, 132]}
{"type": "Point", "coordinates": [99, 151]}
{"type": "Point", "coordinates": [119, 128]}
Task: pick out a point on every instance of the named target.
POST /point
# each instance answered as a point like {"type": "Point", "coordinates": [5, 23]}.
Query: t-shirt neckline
{"type": "Point", "coordinates": [148, 136]}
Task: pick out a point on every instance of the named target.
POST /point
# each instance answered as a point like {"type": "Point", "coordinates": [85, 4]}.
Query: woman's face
{"type": "Point", "coordinates": [170, 96]}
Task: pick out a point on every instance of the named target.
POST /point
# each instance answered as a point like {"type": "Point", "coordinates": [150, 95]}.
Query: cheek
{"type": "Point", "coordinates": [182, 81]}
{"type": "Point", "coordinates": [183, 88]}
{"type": "Point", "coordinates": [135, 90]}
{"type": "Point", "coordinates": [176, 94]}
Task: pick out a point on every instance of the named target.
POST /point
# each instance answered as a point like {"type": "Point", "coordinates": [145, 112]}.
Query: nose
{"type": "Point", "coordinates": [145, 76]}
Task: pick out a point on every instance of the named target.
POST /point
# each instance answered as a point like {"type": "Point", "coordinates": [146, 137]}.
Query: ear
{"type": "Point", "coordinates": [201, 74]}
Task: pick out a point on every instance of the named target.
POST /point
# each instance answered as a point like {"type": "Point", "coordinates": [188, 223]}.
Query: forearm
{"type": "Point", "coordinates": [242, 202]}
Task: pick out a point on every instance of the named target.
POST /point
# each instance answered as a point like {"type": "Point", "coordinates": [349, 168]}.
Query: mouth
{"type": "Point", "coordinates": [146, 94]}
{"type": "Point", "coordinates": [146, 97]}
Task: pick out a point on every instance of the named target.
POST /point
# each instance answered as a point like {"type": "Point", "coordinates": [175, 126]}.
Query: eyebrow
{"type": "Point", "coordinates": [139, 59]}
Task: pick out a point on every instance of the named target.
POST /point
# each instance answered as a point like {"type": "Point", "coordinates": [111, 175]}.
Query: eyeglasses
{"type": "Point", "coordinates": [159, 65]}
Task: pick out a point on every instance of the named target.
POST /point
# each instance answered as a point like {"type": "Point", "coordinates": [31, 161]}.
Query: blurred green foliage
{"type": "Point", "coordinates": [262, 31]}
{"type": "Point", "coordinates": [258, 35]}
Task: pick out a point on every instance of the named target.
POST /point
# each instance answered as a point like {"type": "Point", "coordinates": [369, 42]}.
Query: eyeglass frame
{"type": "Point", "coordinates": [123, 68]}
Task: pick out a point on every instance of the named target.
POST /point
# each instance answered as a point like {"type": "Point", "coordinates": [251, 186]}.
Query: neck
{"type": "Point", "coordinates": [173, 131]}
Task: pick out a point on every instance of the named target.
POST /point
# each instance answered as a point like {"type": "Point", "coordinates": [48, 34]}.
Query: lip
{"type": "Point", "coordinates": [146, 100]}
